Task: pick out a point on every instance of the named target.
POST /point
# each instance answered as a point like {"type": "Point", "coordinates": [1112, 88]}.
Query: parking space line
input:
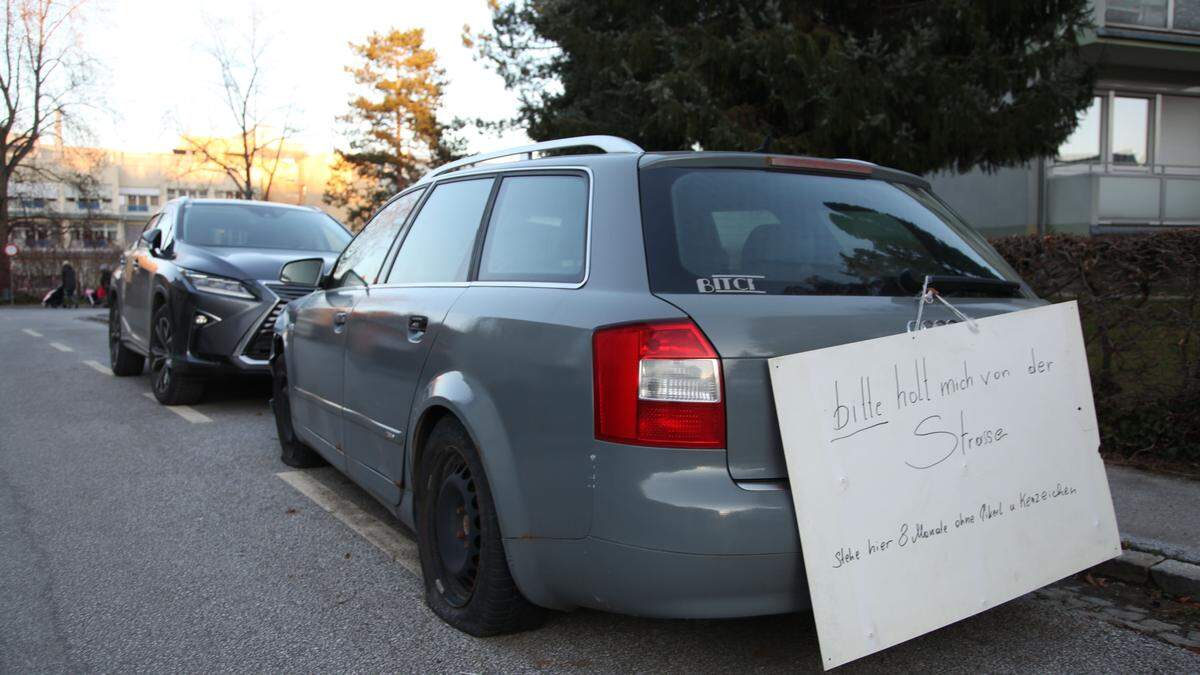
{"type": "Point", "coordinates": [61, 347]}
{"type": "Point", "coordinates": [98, 367]}
{"type": "Point", "coordinates": [30, 332]}
{"type": "Point", "coordinates": [186, 412]}
{"type": "Point", "coordinates": [399, 547]}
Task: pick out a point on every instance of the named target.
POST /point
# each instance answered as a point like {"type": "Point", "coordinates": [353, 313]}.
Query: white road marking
{"type": "Point", "coordinates": [31, 332]}
{"type": "Point", "coordinates": [185, 411]}
{"type": "Point", "coordinates": [98, 367]}
{"type": "Point", "coordinates": [61, 347]}
{"type": "Point", "coordinates": [401, 549]}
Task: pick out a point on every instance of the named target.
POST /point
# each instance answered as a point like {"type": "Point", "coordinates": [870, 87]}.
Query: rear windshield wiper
{"type": "Point", "coordinates": [945, 282]}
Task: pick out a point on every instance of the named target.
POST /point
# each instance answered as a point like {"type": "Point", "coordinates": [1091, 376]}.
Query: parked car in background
{"type": "Point", "coordinates": [198, 293]}
{"type": "Point", "coordinates": [555, 370]}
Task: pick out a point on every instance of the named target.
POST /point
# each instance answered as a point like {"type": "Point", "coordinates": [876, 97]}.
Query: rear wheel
{"type": "Point", "coordinates": [170, 388]}
{"type": "Point", "coordinates": [467, 580]}
{"type": "Point", "coordinates": [292, 451]}
{"type": "Point", "coordinates": [123, 361]}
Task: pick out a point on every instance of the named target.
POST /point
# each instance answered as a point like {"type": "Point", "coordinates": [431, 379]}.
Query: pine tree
{"type": "Point", "coordinates": [916, 84]}
{"type": "Point", "coordinates": [393, 127]}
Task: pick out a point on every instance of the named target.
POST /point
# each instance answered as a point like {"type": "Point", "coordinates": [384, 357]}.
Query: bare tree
{"type": "Point", "coordinates": [44, 68]}
{"type": "Point", "coordinates": [251, 156]}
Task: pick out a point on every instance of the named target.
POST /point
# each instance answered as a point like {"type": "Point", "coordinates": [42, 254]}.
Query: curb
{"type": "Point", "coordinates": [1175, 577]}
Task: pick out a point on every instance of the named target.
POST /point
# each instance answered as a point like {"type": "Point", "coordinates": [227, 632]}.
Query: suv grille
{"type": "Point", "coordinates": [259, 346]}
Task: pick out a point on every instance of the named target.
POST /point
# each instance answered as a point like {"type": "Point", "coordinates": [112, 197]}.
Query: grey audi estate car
{"type": "Point", "coordinates": [555, 370]}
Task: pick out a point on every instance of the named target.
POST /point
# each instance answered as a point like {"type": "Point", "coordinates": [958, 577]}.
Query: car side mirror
{"type": "Point", "coordinates": [306, 272]}
{"type": "Point", "coordinates": [152, 238]}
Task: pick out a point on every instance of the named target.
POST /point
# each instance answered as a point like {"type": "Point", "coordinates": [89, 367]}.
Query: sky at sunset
{"type": "Point", "coordinates": [156, 78]}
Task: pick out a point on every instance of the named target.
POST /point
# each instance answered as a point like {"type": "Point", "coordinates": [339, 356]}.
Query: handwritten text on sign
{"type": "Point", "coordinates": [940, 473]}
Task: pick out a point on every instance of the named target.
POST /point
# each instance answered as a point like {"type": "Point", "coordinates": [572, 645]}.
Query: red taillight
{"type": "Point", "coordinates": [658, 384]}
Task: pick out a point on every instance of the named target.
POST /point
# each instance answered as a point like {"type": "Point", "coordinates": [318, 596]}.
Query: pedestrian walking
{"type": "Point", "coordinates": [68, 285]}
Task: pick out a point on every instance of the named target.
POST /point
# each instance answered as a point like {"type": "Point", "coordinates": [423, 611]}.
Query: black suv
{"type": "Point", "coordinates": [198, 292]}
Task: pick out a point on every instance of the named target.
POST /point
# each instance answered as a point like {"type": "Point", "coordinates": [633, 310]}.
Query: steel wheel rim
{"type": "Point", "coordinates": [160, 361]}
{"type": "Point", "coordinates": [457, 534]}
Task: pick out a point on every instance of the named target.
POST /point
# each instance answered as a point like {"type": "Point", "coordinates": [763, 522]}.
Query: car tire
{"type": "Point", "coordinates": [467, 580]}
{"type": "Point", "coordinates": [169, 387]}
{"type": "Point", "coordinates": [123, 361]}
{"type": "Point", "coordinates": [292, 451]}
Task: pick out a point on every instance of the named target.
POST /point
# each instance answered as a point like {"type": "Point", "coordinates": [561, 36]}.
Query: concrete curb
{"type": "Point", "coordinates": [1177, 577]}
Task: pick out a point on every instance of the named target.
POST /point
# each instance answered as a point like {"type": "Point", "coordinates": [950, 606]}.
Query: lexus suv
{"type": "Point", "coordinates": [198, 293]}
{"type": "Point", "coordinates": [555, 370]}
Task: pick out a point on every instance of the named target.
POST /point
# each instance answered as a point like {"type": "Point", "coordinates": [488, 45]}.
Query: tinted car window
{"type": "Point", "coordinates": [260, 226]}
{"type": "Point", "coordinates": [150, 225]}
{"type": "Point", "coordinates": [787, 233]}
{"type": "Point", "coordinates": [538, 230]}
{"type": "Point", "coordinates": [360, 262]}
{"type": "Point", "coordinates": [438, 245]}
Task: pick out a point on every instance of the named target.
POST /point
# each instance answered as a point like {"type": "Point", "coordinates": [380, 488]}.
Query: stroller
{"type": "Point", "coordinates": [54, 298]}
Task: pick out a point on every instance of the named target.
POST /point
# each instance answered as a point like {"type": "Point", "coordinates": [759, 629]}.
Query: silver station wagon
{"type": "Point", "coordinates": [554, 370]}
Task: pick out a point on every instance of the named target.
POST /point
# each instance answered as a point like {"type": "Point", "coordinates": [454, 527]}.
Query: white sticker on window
{"type": "Point", "coordinates": [729, 283]}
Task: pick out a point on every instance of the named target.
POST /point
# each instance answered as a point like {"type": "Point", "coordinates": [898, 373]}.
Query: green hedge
{"type": "Point", "coordinates": [1138, 300]}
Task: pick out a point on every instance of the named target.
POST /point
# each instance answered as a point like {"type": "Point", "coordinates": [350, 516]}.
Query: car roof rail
{"type": "Point", "coordinates": [608, 144]}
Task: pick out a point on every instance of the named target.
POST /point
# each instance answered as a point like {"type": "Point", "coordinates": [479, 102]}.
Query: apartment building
{"type": "Point", "coordinates": [1134, 161]}
{"type": "Point", "coordinates": [89, 198]}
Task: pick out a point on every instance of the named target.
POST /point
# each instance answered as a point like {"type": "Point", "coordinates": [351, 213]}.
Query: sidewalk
{"type": "Point", "coordinates": [1159, 514]}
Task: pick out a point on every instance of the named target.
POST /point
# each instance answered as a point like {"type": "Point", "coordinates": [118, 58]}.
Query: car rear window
{"type": "Point", "coordinates": [261, 226]}
{"type": "Point", "coordinates": [782, 233]}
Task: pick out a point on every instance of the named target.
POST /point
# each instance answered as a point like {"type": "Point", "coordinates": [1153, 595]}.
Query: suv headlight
{"type": "Point", "coordinates": [219, 285]}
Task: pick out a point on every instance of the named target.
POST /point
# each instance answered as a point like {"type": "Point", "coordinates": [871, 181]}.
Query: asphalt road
{"type": "Point", "coordinates": [133, 537]}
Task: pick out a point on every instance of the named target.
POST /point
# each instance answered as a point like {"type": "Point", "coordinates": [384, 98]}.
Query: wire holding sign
{"type": "Point", "coordinates": [980, 446]}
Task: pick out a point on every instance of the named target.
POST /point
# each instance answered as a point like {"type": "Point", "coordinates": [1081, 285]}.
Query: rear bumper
{"type": "Point", "coordinates": [605, 575]}
{"type": "Point", "coordinates": [672, 535]}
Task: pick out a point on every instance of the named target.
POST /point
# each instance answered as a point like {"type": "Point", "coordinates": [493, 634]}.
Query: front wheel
{"type": "Point", "coordinates": [123, 361]}
{"type": "Point", "coordinates": [291, 450]}
{"type": "Point", "coordinates": [170, 388]}
{"type": "Point", "coordinates": [467, 580]}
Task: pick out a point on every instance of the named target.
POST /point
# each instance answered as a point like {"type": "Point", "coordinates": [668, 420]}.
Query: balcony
{"type": "Point", "coordinates": [1157, 15]}
{"type": "Point", "coordinates": [1094, 196]}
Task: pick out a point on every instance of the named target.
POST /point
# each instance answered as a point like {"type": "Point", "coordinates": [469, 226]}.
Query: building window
{"type": "Point", "coordinates": [1146, 13]}
{"type": "Point", "coordinates": [138, 203]}
{"type": "Point", "coordinates": [88, 203]}
{"type": "Point", "coordinates": [1083, 145]}
{"type": "Point", "coordinates": [1130, 130]}
{"type": "Point", "coordinates": [172, 193]}
{"type": "Point", "coordinates": [1187, 14]}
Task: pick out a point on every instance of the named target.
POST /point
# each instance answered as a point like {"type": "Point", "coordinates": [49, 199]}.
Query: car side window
{"type": "Point", "coordinates": [150, 225]}
{"type": "Point", "coordinates": [359, 264]}
{"type": "Point", "coordinates": [167, 224]}
{"type": "Point", "coordinates": [538, 230]}
{"type": "Point", "coordinates": [438, 246]}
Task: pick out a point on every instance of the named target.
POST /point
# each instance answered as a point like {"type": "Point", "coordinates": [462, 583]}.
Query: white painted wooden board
{"type": "Point", "coordinates": [939, 473]}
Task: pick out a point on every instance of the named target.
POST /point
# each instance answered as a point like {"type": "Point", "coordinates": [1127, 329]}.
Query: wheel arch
{"type": "Point", "coordinates": [453, 395]}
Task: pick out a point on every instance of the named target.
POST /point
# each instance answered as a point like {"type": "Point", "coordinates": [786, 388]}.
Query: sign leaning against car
{"type": "Point", "coordinates": [942, 472]}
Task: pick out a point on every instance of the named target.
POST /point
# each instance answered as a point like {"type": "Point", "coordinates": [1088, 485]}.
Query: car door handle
{"type": "Point", "coordinates": [339, 321]}
{"type": "Point", "coordinates": [417, 325]}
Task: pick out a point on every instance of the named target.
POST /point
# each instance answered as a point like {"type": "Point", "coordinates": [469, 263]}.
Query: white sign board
{"type": "Point", "coordinates": [938, 473]}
